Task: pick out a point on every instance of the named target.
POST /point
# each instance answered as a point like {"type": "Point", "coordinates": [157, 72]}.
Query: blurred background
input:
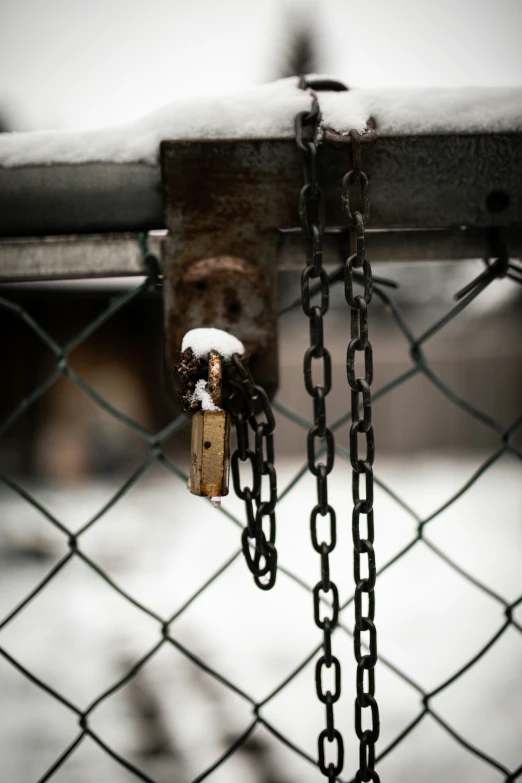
{"type": "Point", "coordinates": [71, 65]}
{"type": "Point", "coordinates": [75, 65]}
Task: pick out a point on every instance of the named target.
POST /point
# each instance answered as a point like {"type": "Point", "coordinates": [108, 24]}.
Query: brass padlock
{"type": "Point", "coordinates": [210, 445]}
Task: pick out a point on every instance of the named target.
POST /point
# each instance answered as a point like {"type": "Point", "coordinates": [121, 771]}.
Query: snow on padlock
{"type": "Point", "coordinates": [210, 442]}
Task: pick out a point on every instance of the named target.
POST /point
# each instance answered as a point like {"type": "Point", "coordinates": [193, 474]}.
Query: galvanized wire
{"type": "Point", "coordinates": [166, 624]}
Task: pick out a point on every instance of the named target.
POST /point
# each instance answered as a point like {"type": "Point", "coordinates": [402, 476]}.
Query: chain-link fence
{"type": "Point", "coordinates": [155, 443]}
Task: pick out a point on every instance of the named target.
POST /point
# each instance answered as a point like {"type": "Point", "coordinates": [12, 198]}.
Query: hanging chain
{"type": "Point", "coordinates": [362, 466]}
{"type": "Point", "coordinates": [311, 213]}
{"type": "Point", "coordinates": [263, 563]}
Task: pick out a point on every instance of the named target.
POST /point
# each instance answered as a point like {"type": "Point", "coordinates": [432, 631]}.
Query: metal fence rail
{"type": "Point", "coordinates": [501, 267]}
{"type": "Point", "coordinates": [43, 200]}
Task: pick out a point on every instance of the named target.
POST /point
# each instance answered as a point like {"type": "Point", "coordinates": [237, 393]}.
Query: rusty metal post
{"type": "Point", "coordinates": [222, 209]}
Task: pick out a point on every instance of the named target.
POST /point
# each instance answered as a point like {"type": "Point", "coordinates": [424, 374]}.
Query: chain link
{"type": "Point", "coordinates": [311, 213]}
{"type": "Point", "coordinates": [246, 397]}
{"type": "Point", "coordinates": [361, 437]}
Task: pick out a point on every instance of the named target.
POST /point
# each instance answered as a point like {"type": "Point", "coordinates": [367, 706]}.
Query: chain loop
{"type": "Point", "coordinates": [328, 695]}
{"type": "Point", "coordinates": [236, 477]}
{"type": "Point", "coordinates": [313, 528]}
{"type": "Point", "coordinates": [354, 262]}
{"type": "Point", "coordinates": [351, 179]}
{"type": "Point", "coordinates": [332, 770]}
{"type": "Point", "coordinates": [311, 273]}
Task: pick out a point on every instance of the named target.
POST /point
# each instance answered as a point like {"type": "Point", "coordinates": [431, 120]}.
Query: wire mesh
{"type": "Point", "coordinates": [155, 442]}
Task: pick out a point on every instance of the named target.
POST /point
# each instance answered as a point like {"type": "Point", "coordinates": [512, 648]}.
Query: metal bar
{"type": "Point", "coordinates": [402, 246]}
{"type": "Point", "coordinates": [71, 257]}
{"type": "Point", "coordinates": [119, 255]}
{"type": "Point", "coordinates": [85, 198]}
{"type": "Point", "coordinates": [417, 181]}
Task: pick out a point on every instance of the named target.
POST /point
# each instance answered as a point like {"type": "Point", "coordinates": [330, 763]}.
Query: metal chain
{"type": "Point", "coordinates": [362, 466]}
{"type": "Point", "coordinates": [311, 213]}
{"type": "Point", "coordinates": [263, 563]}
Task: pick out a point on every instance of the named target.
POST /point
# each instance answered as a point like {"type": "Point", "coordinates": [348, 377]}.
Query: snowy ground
{"type": "Point", "coordinates": [173, 720]}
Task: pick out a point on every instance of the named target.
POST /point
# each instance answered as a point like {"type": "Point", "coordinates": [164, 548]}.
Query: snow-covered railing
{"type": "Point", "coordinates": [445, 159]}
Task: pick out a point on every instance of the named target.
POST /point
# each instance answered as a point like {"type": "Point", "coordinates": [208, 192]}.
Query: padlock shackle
{"type": "Point", "coordinates": [215, 378]}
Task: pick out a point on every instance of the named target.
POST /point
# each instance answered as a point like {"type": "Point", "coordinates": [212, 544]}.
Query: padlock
{"type": "Point", "coordinates": [210, 444]}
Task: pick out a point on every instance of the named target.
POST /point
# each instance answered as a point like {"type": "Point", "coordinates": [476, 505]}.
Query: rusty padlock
{"type": "Point", "coordinates": [210, 443]}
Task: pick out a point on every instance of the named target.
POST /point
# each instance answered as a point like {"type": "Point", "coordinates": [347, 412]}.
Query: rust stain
{"type": "Point", "coordinates": [215, 377]}
{"type": "Point", "coordinates": [225, 292]}
{"type": "Point", "coordinates": [220, 210]}
{"type": "Point", "coordinates": [218, 188]}
{"type": "Point", "coordinates": [232, 304]}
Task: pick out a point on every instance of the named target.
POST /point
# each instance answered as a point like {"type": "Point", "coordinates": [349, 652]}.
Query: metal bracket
{"type": "Point", "coordinates": [219, 258]}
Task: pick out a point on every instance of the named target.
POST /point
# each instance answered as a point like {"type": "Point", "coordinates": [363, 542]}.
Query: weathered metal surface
{"type": "Point", "coordinates": [72, 257]}
{"type": "Point", "coordinates": [343, 142]}
{"type": "Point", "coordinates": [111, 255]}
{"type": "Point", "coordinates": [460, 244]}
{"type": "Point", "coordinates": [417, 181]}
{"type": "Point", "coordinates": [219, 258]}
{"type": "Point", "coordinates": [445, 181]}
{"type": "Point", "coordinates": [224, 292]}
{"type": "Point", "coordinates": [81, 198]}
{"type": "Point", "coordinates": [215, 378]}
{"type": "Point", "coordinates": [210, 454]}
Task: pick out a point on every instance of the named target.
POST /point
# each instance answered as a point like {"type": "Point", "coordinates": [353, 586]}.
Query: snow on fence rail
{"type": "Point", "coordinates": [423, 170]}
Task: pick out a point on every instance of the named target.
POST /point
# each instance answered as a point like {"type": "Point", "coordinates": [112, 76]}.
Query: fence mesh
{"type": "Point", "coordinates": [166, 624]}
